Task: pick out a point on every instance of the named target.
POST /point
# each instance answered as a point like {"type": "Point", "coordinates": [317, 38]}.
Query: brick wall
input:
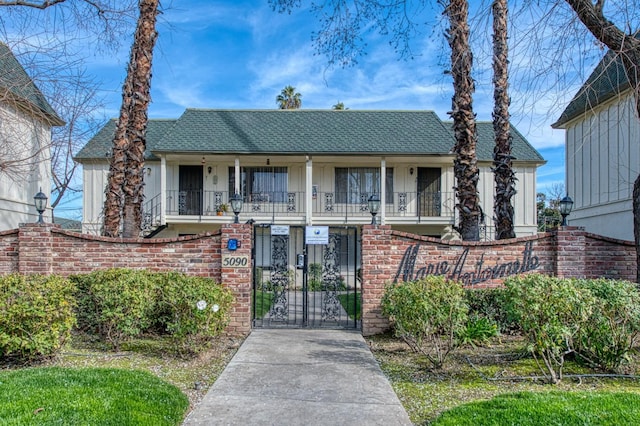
{"type": "Point", "coordinates": [387, 256]}
{"type": "Point", "coordinates": [8, 251]}
{"type": "Point", "coordinates": [48, 249]}
{"type": "Point", "coordinates": [392, 256]}
{"type": "Point", "coordinates": [609, 258]}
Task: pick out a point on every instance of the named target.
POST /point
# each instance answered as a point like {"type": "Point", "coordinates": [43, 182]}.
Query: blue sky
{"type": "Point", "coordinates": [240, 54]}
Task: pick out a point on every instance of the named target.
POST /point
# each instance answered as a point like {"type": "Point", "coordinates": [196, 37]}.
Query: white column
{"type": "Point", "coordinates": [236, 184]}
{"type": "Point", "coordinates": [308, 196]}
{"type": "Point", "coordinates": [163, 190]}
{"type": "Point", "coordinates": [383, 189]}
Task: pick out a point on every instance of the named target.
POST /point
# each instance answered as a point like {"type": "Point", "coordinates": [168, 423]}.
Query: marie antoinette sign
{"type": "Point", "coordinates": [415, 265]}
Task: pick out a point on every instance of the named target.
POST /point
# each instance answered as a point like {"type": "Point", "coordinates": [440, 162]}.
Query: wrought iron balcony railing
{"type": "Point", "coordinates": [324, 204]}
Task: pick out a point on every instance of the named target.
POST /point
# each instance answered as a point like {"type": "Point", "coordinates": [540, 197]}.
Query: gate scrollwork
{"type": "Point", "coordinates": [279, 278]}
{"type": "Point", "coordinates": [331, 279]}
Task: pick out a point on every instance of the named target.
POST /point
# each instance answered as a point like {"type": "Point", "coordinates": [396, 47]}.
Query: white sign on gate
{"type": "Point", "coordinates": [279, 229]}
{"type": "Point", "coordinates": [316, 235]}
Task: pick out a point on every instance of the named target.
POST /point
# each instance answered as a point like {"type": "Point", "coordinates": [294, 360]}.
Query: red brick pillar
{"type": "Point", "coordinates": [376, 243]}
{"type": "Point", "coordinates": [235, 272]}
{"type": "Point", "coordinates": [570, 252]}
{"type": "Point", "coordinates": [35, 243]}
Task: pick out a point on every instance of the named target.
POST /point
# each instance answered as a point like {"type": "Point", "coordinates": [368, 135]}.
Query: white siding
{"type": "Point", "coordinates": [94, 176]}
{"type": "Point", "coordinates": [603, 159]}
{"type": "Point", "coordinates": [26, 140]}
{"type": "Point", "coordinates": [525, 220]}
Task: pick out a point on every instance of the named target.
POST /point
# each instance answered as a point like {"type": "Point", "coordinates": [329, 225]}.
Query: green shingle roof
{"type": "Point", "coordinates": [521, 149]}
{"type": "Point", "coordinates": [15, 81]}
{"type": "Point", "coordinates": [313, 132]}
{"type": "Point", "coordinates": [100, 145]}
{"type": "Point", "coordinates": [607, 80]}
{"type": "Point", "coordinates": [307, 132]}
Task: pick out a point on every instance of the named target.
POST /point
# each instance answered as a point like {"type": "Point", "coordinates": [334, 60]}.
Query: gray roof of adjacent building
{"type": "Point", "coordinates": [309, 132]}
{"type": "Point", "coordinates": [608, 79]}
{"type": "Point", "coordinates": [15, 82]}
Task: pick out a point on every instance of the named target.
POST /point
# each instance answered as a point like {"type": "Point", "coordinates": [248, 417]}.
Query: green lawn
{"type": "Point", "coordinates": [262, 304]}
{"type": "Point", "coordinates": [351, 303]}
{"type": "Point", "coordinates": [547, 408]}
{"type": "Point", "coordinates": [88, 396]}
{"type": "Point", "coordinates": [484, 383]}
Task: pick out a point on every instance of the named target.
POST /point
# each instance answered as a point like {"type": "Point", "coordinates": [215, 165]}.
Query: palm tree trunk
{"type": "Point", "coordinates": [504, 177]}
{"type": "Point", "coordinates": [465, 165]}
{"type": "Point", "coordinates": [124, 193]}
{"type": "Point", "coordinates": [114, 196]}
{"type": "Point", "coordinates": [140, 66]}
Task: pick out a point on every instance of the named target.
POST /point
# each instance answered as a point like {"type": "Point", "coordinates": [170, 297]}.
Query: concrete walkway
{"type": "Point", "coordinates": [301, 377]}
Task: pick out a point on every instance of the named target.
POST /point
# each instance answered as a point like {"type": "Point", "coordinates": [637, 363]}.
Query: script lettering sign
{"type": "Point", "coordinates": [459, 270]}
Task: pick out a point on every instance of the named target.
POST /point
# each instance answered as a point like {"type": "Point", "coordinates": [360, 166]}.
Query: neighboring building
{"type": "Point", "coordinates": [26, 119]}
{"type": "Point", "coordinates": [69, 224]}
{"type": "Point", "coordinates": [602, 151]}
{"type": "Point", "coordinates": [306, 167]}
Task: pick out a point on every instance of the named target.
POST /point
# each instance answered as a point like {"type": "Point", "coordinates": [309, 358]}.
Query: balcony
{"type": "Point", "coordinates": [207, 203]}
{"type": "Point", "coordinates": [404, 207]}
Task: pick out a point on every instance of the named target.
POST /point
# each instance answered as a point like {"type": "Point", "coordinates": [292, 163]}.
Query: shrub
{"type": "Point", "coordinates": [123, 303]}
{"type": "Point", "coordinates": [611, 331]}
{"type": "Point", "coordinates": [36, 314]}
{"type": "Point", "coordinates": [427, 314]}
{"type": "Point", "coordinates": [116, 303]}
{"type": "Point", "coordinates": [551, 312]}
{"type": "Point", "coordinates": [477, 331]}
{"type": "Point", "coordinates": [195, 308]}
{"type": "Point", "coordinates": [489, 303]}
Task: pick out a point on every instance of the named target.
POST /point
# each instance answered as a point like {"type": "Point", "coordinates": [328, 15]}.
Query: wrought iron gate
{"type": "Point", "coordinates": [305, 285]}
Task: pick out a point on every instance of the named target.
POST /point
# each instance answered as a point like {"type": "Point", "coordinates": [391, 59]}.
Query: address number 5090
{"type": "Point", "coordinates": [235, 261]}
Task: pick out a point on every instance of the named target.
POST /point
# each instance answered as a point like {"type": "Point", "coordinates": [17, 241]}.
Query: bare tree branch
{"type": "Point", "coordinates": [37, 5]}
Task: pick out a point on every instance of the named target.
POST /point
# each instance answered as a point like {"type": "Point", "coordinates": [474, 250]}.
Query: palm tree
{"type": "Point", "coordinates": [465, 165]}
{"type": "Point", "coordinates": [124, 193]}
{"type": "Point", "coordinates": [339, 107]}
{"type": "Point", "coordinates": [503, 174]}
{"type": "Point", "coordinates": [289, 98]}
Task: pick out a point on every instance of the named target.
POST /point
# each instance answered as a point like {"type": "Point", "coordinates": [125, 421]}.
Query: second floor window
{"type": "Point", "coordinates": [356, 184]}
{"type": "Point", "coordinates": [261, 184]}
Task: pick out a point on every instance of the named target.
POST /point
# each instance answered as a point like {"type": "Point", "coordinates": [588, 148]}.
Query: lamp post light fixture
{"type": "Point", "coordinates": [374, 207]}
{"type": "Point", "coordinates": [236, 205]}
{"type": "Point", "coordinates": [40, 201]}
{"type": "Point", "coordinates": [565, 205]}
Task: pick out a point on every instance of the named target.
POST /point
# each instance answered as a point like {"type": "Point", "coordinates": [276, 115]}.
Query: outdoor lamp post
{"type": "Point", "coordinates": [40, 201]}
{"type": "Point", "coordinates": [236, 205]}
{"type": "Point", "coordinates": [374, 207]}
{"type": "Point", "coordinates": [566, 204]}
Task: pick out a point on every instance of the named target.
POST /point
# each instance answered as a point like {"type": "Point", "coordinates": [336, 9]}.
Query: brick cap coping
{"type": "Point", "coordinates": [134, 240]}
{"type": "Point", "coordinates": [9, 232]}
{"type": "Point", "coordinates": [386, 229]}
{"type": "Point", "coordinates": [610, 240]}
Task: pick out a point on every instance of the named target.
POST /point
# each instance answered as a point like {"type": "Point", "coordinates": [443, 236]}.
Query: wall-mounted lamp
{"type": "Point", "coordinates": [268, 161]}
{"type": "Point", "coordinates": [236, 205]}
{"type": "Point", "coordinates": [204, 161]}
{"type": "Point", "coordinates": [411, 171]}
{"type": "Point", "coordinates": [40, 201]}
{"type": "Point", "coordinates": [374, 206]}
{"type": "Point", "coordinates": [565, 205]}
{"type": "Point", "coordinates": [148, 170]}
{"type": "Point", "coordinates": [209, 170]}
